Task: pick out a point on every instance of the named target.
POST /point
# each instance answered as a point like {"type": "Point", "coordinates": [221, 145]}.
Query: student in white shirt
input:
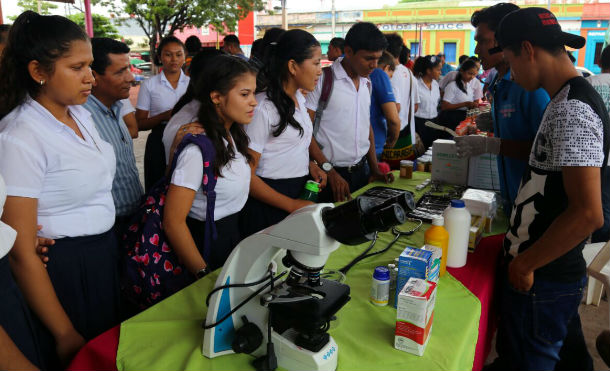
{"type": "Point", "coordinates": [458, 97]}
{"type": "Point", "coordinates": [128, 113]}
{"type": "Point", "coordinates": [428, 70]}
{"type": "Point", "coordinates": [58, 173]}
{"type": "Point", "coordinates": [226, 94]}
{"type": "Point", "coordinates": [156, 98]}
{"type": "Point", "coordinates": [281, 133]}
{"type": "Point", "coordinates": [476, 84]}
{"type": "Point", "coordinates": [345, 129]}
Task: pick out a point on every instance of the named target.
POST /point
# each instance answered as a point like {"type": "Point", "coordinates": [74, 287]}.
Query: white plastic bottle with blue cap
{"type": "Point", "coordinates": [457, 223]}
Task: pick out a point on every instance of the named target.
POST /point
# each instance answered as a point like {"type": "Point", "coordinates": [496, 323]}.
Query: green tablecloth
{"type": "Point", "coordinates": [168, 336]}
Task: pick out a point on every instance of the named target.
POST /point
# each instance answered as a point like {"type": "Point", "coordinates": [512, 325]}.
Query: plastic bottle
{"type": "Point", "coordinates": [310, 191]}
{"type": "Point", "coordinates": [438, 236]}
{"type": "Point", "coordinates": [457, 222]}
{"type": "Point", "coordinates": [380, 288]}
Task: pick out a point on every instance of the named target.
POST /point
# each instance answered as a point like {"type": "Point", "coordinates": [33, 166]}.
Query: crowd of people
{"type": "Point", "coordinates": [69, 185]}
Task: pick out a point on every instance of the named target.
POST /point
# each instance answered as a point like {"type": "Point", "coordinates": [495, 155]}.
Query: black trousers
{"type": "Point", "coordinates": [427, 135]}
{"type": "Point", "coordinates": [227, 230]}
{"type": "Point", "coordinates": [154, 157]}
{"type": "Point", "coordinates": [356, 179]}
{"type": "Point", "coordinates": [449, 119]}
{"type": "Point", "coordinates": [257, 215]}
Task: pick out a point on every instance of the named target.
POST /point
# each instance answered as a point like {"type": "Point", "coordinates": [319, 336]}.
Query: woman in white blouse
{"type": "Point", "coordinates": [458, 97]}
{"type": "Point", "coordinates": [226, 94]}
{"type": "Point", "coordinates": [281, 133]}
{"type": "Point", "coordinates": [58, 173]}
{"type": "Point", "coordinates": [156, 98]}
{"type": "Point", "coordinates": [427, 70]}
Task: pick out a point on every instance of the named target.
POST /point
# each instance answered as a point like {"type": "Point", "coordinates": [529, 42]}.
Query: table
{"type": "Point", "coordinates": [469, 339]}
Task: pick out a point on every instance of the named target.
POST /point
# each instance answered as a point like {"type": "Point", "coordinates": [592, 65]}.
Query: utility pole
{"type": "Point", "coordinates": [332, 22]}
{"type": "Point", "coordinates": [284, 16]}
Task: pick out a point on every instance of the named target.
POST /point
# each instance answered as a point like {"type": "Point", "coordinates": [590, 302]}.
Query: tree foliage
{"type": "Point", "coordinates": [159, 18]}
{"type": "Point", "coordinates": [32, 5]}
{"type": "Point", "coordinates": [102, 26]}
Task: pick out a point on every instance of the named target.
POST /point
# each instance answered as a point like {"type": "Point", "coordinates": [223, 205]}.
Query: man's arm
{"type": "Point", "coordinates": [582, 217]}
{"type": "Point", "coordinates": [391, 115]}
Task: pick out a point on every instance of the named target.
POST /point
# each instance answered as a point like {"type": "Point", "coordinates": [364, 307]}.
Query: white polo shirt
{"type": "Point", "coordinates": [7, 234]}
{"type": "Point", "coordinates": [285, 156]}
{"type": "Point", "coordinates": [406, 85]}
{"type": "Point", "coordinates": [445, 80]}
{"type": "Point", "coordinates": [157, 95]}
{"type": "Point", "coordinates": [345, 125]}
{"type": "Point", "coordinates": [231, 189]}
{"type": "Point", "coordinates": [187, 114]}
{"type": "Point", "coordinates": [127, 107]}
{"type": "Point", "coordinates": [428, 99]}
{"type": "Point", "coordinates": [42, 158]}
{"type": "Point", "coordinates": [455, 95]}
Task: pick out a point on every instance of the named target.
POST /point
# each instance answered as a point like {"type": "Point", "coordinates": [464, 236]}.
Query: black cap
{"type": "Point", "coordinates": [537, 25]}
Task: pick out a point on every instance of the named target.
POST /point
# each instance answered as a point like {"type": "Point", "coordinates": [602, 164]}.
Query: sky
{"type": "Point", "coordinates": [9, 7]}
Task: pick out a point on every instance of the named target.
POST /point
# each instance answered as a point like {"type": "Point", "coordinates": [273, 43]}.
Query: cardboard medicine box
{"type": "Point", "coordinates": [416, 263]}
{"type": "Point", "coordinates": [414, 315]}
{"type": "Point", "coordinates": [447, 167]}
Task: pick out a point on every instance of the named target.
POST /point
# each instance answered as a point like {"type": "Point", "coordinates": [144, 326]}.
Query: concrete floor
{"type": "Point", "coordinates": [594, 319]}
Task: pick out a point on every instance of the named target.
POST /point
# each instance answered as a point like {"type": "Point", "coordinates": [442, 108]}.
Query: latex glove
{"type": "Point", "coordinates": [474, 145]}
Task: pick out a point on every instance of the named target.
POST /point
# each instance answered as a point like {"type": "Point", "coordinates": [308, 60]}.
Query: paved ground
{"type": "Point", "coordinates": [594, 319]}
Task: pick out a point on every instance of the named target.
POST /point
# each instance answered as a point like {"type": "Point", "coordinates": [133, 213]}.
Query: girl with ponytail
{"type": "Point", "coordinates": [281, 133]}
{"type": "Point", "coordinates": [458, 96]}
{"type": "Point", "coordinates": [427, 70]}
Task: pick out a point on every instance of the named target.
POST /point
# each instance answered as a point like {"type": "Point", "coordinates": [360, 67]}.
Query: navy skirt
{"type": "Point", "coordinates": [84, 272]}
{"type": "Point", "coordinates": [15, 316]}
{"type": "Point", "coordinates": [227, 230]}
{"type": "Point", "coordinates": [257, 215]}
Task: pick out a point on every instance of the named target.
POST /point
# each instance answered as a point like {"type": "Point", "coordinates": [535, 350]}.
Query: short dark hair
{"type": "Point", "coordinates": [386, 59]}
{"type": "Point", "coordinates": [395, 44]}
{"type": "Point", "coordinates": [338, 42]}
{"type": "Point", "coordinates": [462, 58]}
{"type": "Point", "coordinates": [4, 32]}
{"type": "Point", "coordinates": [604, 58]}
{"type": "Point", "coordinates": [192, 44]}
{"type": "Point", "coordinates": [492, 15]}
{"type": "Point", "coordinates": [231, 39]}
{"type": "Point", "coordinates": [365, 36]}
{"type": "Point", "coordinates": [101, 47]}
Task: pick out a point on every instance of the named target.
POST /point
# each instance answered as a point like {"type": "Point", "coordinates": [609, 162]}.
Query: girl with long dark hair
{"type": "Point", "coordinates": [427, 70]}
{"type": "Point", "coordinates": [458, 97]}
{"type": "Point", "coordinates": [281, 133]}
{"type": "Point", "coordinates": [226, 94]}
{"type": "Point", "coordinates": [59, 174]}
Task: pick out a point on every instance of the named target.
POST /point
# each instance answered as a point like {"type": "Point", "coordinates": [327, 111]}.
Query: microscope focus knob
{"type": "Point", "coordinates": [247, 338]}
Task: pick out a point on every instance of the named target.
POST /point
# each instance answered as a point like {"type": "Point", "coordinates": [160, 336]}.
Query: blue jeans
{"type": "Point", "coordinates": [534, 325]}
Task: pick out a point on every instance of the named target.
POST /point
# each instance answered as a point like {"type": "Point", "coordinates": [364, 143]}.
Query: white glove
{"type": "Point", "coordinates": [474, 145]}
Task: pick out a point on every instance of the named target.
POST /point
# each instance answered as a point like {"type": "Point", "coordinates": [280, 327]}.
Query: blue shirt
{"type": "Point", "coordinates": [126, 187]}
{"type": "Point", "coordinates": [381, 93]}
{"type": "Point", "coordinates": [446, 68]}
{"type": "Point", "coordinates": [516, 115]}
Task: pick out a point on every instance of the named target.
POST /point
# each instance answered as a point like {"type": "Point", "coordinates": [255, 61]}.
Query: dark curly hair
{"type": "Point", "coordinates": [294, 45]}
{"type": "Point", "coordinates": [221, 75]}
{"type": "Point", "coordinates": [33, 37]}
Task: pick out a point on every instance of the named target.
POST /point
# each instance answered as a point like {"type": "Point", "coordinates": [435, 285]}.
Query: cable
{"type": "Point", "coordinates": [207, 299]}
{"type": "Point", "coordinates": [346, 268]}
{"type": "Point", "coordinates": [273, 279]}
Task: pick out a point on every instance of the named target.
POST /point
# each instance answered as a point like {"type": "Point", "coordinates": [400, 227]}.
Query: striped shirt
{"type": "Point", "coordinates": [126, 187]}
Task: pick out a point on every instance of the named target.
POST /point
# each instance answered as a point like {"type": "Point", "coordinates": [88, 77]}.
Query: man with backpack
{"type": "Point", "coordinates": [344, 137]}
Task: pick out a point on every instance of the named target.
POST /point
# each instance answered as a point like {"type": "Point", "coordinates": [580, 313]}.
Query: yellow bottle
{"type": "Point", "coordinates": [438, 236]}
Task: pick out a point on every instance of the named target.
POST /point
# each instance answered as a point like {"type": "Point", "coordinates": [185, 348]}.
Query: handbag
{"type": "Point", "coordinates": [151, 269]}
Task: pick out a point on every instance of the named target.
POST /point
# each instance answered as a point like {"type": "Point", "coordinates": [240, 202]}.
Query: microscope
{"type": "Point", "coordinates": [270, 301]}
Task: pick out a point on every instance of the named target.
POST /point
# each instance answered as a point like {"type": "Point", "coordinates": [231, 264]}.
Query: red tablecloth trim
{"type": "Point", "coordinates": [477, 275]}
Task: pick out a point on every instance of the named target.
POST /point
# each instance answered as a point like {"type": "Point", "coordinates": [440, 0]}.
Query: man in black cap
{"type": "Point", "coordinates": [559, 201]}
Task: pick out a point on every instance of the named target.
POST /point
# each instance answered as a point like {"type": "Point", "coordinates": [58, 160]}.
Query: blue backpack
{"type": "Point", "coordinates": [151, 269]}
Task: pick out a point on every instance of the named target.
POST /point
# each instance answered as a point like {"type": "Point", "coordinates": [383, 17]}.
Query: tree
{"type": "Point", "coordinates": [102, 26]}
{"type": "Point", "coordinates": [159, 18]}
{"type": "Point", "coordinates": [45, 7]}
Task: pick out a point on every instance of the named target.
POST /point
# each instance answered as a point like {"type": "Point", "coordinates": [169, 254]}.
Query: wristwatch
{"type": "Point", "coordinates": [202, 272]}
{"type": "Point", "coordinates": [327, 166]}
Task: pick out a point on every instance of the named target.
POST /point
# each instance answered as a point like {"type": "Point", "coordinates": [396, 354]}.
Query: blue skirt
{"type": "Point", "coordinates": [84, 272]}
{"type": "Point", "coordinates": [15, 316]}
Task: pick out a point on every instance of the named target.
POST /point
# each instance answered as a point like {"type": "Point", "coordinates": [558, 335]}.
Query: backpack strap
{"type": "Point", "coordinates": [208, 183]}
{"type": "Point", "coordinates": [327, 89]}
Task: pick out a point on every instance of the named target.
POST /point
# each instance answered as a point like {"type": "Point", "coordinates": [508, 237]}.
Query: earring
{"type": "Point", "coordinates": [42, 82]}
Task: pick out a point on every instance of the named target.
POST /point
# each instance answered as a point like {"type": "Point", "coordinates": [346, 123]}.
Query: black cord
{"type": "Point", "coordinates": [271, 280]}
{"type": "Point", "coordinates": [345, 269]}
{"type": "Point", "coordinates": [207, 299]}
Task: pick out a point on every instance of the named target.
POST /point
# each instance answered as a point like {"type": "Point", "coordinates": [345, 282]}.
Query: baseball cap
{"type": "Point", "coordinates": [537, 25]}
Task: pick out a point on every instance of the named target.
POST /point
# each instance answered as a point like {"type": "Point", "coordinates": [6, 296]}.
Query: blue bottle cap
{"type": "Point", "coordinates": [381, 273]}
{"type": "Point", "coordinates": [457, 204]}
